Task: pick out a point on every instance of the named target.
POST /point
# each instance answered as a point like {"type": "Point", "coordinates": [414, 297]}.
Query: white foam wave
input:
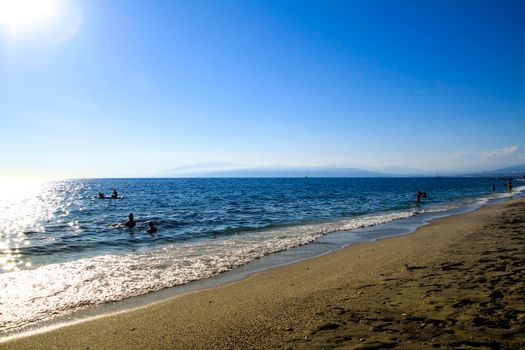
{"type": "Point", "coordinates": [33, 295]}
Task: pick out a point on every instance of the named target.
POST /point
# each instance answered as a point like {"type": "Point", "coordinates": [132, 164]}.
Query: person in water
{"type": "Point", "coordinates": [130, 223]}
{"type": "Point", "coordinates": [114, 194]}
{"type": "Point", "coordinates": [101, 195]}
{"type": "Point", "coordinates": [419, 194]}
{"type": "Point", "coordinates": [151, 227]}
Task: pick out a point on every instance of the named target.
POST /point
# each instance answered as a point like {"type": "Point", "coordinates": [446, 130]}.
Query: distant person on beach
{"type": "Point", "coordinates": [151, 228]}
{"type": "Point", "coordinates": [114, 194]}
{"type": "Point", "coordinates": [130, 223]}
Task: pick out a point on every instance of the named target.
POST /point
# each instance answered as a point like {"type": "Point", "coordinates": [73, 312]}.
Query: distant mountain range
{"type": "Point", "coordinates": [516, 170]}
{"type": "Point", "coordinates": [223, 170]}
{"type": "Point", "coordinates": [284, 172]}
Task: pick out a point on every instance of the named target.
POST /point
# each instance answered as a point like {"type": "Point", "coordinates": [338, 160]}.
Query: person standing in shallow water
{"type": "Point", "coordinates": [419, 194]}
{"type": "Point", "coordinates": [131, 222]}
{"type": "Point", "coordinates": [509, 185]}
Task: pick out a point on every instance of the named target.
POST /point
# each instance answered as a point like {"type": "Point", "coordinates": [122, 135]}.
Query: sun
{"type": "Point", "coordinates": [23, 15]}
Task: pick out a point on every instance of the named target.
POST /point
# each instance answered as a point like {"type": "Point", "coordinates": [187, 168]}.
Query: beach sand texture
{"type": "Point", "coordinates": [456, 283]}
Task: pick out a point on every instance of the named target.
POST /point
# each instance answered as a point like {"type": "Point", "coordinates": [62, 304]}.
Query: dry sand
{"type": "Point", "coordinates": [456, 283]}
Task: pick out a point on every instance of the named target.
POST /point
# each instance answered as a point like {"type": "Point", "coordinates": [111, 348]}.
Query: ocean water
{"type": "Point", "coordinates": [58, 253]}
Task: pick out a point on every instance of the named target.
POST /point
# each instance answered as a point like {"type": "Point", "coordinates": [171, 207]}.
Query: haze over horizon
{"type": "Point", "coordinates": [134, 89]}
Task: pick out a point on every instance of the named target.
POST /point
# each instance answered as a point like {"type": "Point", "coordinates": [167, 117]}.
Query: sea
{"type": "Point", "coordinates": [62, 249]}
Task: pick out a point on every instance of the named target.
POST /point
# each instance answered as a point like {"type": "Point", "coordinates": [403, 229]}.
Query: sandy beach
{"type": "Point", "coordinates": [455, 283]}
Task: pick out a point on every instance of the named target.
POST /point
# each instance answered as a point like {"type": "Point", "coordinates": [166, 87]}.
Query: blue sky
{"type": "Point", "coordinates": [134, 88]}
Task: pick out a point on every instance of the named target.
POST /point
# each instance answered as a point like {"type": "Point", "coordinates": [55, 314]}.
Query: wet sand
{"type": "Point", "coordinates": [456, 283]}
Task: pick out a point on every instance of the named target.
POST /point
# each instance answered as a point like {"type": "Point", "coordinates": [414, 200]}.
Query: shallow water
{"type": "Point", "coordinates": [58, 253]}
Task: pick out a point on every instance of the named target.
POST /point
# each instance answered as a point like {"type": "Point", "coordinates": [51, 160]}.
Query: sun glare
{"type": "Point", "coordinates": [23, 15]}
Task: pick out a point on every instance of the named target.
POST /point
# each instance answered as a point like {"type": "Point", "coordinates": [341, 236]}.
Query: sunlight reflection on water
{"type": "Point", "coordinates": [24, 206]}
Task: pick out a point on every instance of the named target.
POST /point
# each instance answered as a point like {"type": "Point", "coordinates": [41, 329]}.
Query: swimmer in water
{"type": "Point", "coordinates": [130, 223]}
{"type": "Point", "coordinates": [151, 228]}
{"type": "Point", "coordinates": [114, 194]}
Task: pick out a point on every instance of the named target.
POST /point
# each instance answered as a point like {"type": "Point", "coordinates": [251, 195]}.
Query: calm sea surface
{"type": "Point", "coordinates": [58, 254]}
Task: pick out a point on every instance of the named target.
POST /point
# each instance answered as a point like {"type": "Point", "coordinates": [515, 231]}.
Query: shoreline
{"type": "Point", "coordinates": [327, 244]}
{"type": "Point", "coordinates": [249, 313]}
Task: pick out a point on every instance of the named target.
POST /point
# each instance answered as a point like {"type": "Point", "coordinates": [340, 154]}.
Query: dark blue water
{"type": "Point", "coordinates": [58, 253]}
{"type": "Point", "coordinates": [75, 224]}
